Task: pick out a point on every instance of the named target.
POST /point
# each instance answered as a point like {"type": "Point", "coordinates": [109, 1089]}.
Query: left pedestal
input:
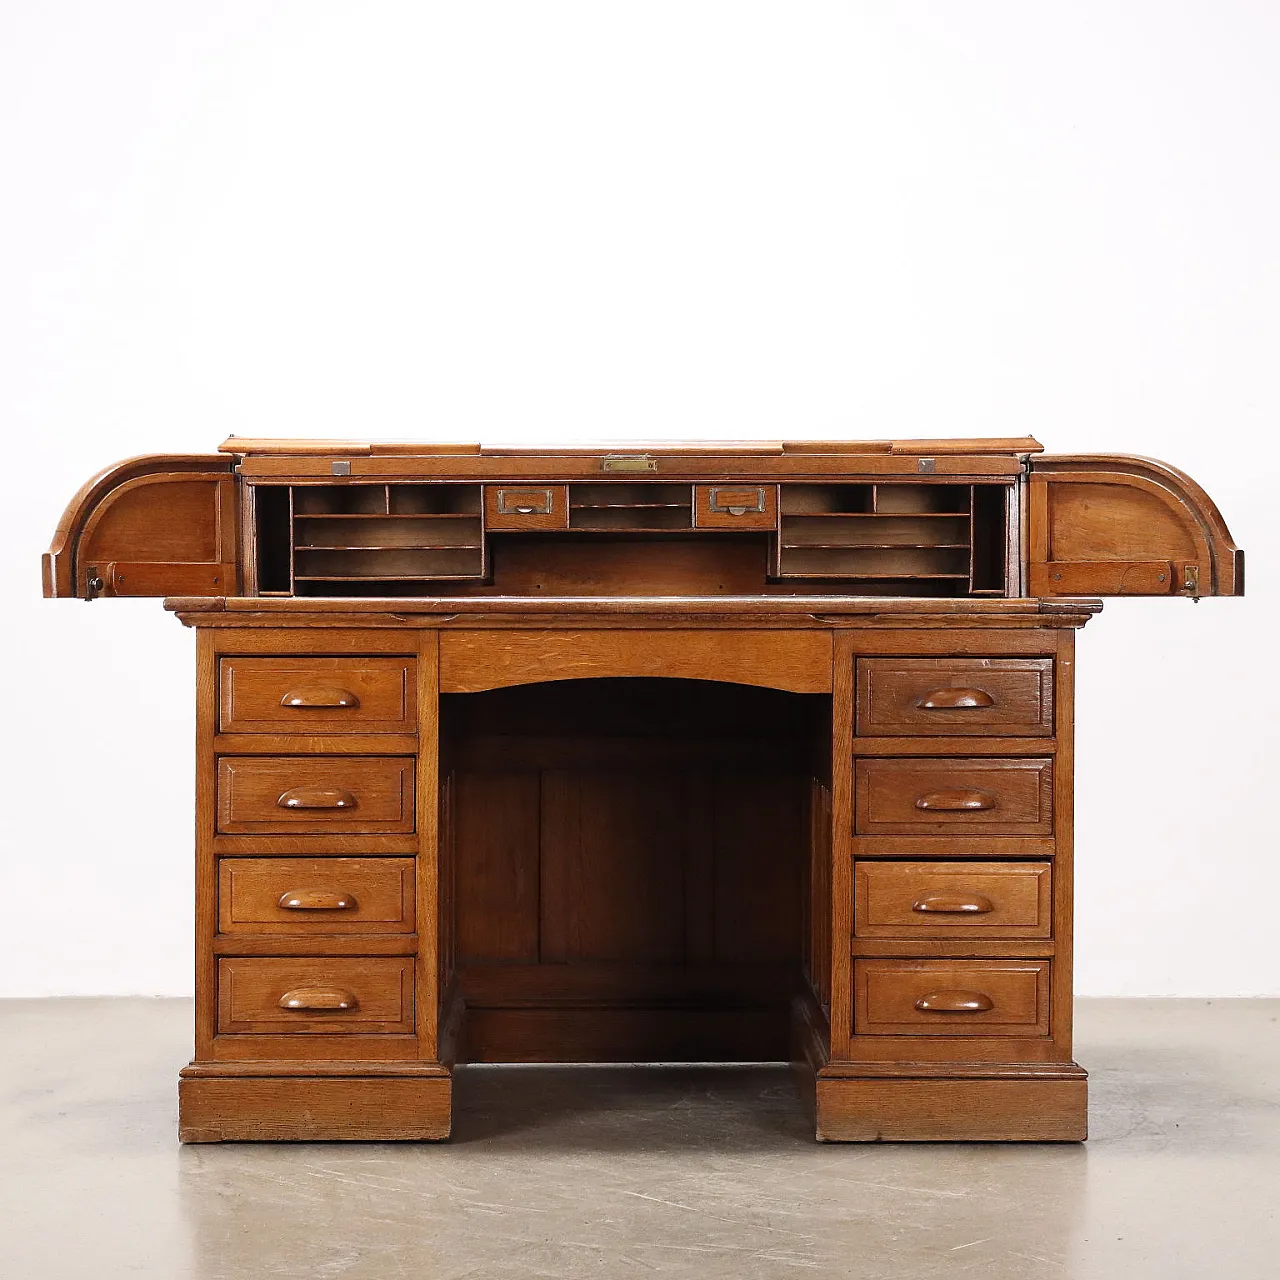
{"type": "Point", "coordinates": [318, 957]}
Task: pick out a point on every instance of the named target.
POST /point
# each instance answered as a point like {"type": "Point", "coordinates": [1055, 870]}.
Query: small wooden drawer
{"type": "Point", "coordinates": [532, 507]}
{"type": "Point", "coordinates": [951, 998]}
{"type": "Point", "coordinates": [969, 796]}
{"type": "Point", "coordinates": [908, 697]}
{"type": "Point", "coordinates": [334, 795]}
{"type": "Point", "coordinates": [315, 995]}
{"type": "Point", "coordinates": [315, 895]}
{"type": "Point", "coordinates": [317, 695]}
{"type": "Point", "coordinates": [735, 506]}
{"type": "Point", "coordinates": [952, 900]}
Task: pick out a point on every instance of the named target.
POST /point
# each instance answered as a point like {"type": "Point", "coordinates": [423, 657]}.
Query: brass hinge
{"type": "Point", "coordinates": [1191, 581]}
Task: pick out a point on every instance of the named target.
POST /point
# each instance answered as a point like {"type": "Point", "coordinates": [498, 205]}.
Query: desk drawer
{"type": "Point", "coordinates": [301, 896]}
{"type": "Point", "coordinates": [960, 697]}
{"type": "Point", "coordinates": [951, 998]}
{"type": "Point", "coordinates": [952, 900]}
{"type": "Point", "coordinates": [333, 795]}
{"type": "Point", "coordinates": [319, 995]}
{"type": "Point", "coordinates": [317, 695]}
{"type": "Point", "coordinates": [735, 506]}
{"type": "Point", "coordinates": [967, 796]}
{"type": "Point", "coordinates": [510, 508]}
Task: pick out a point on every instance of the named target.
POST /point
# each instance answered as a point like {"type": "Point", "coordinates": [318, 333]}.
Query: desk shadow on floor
{"type": "Point", "coordinates": [650, 1108]}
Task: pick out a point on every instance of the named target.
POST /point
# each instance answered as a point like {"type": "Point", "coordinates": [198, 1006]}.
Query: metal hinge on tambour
{"type": "Point", "coordinates": [628, 462]}
{"type": "Point", "coordinates": [1191, 581]}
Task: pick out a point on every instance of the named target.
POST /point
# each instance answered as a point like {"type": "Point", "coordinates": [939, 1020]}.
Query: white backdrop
{"type": "Point", "coordinates": [700, 219]}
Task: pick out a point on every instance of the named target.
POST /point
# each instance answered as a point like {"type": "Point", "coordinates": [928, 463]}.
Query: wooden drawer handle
{"type": "Point", "coordinates": [316, 798]}
{"type": "Point", "coordinates": [306, 999]}
{"type": "Point", "coordinates": [956, 801]}
{"type": "Point", "coordinates": [955, 1002]}
{"type": "Point", "coordinates": [319, 696]}
{"type": "Point", "coordinates": [949, 904]}
{"type": "Point", "coordinates": [316, 900]}
{"type": "Point", "coordinates": [955, 700]}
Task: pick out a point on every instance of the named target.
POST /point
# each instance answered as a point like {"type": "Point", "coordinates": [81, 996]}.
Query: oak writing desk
{"type": "Point", "coordinates": [694, 753]}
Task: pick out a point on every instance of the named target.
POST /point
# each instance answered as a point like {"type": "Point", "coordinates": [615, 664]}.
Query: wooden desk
{"type": "Point", "coordinates": [706, 753]}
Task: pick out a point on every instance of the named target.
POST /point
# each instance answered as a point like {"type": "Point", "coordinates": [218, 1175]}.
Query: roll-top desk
{"type": "Point", "coordinates": [694, 753]}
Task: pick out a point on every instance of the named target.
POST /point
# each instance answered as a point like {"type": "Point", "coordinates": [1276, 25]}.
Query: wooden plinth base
{"type": "Point", "coordinates": [1006, 1108]}
{"type": "Point", "coordinates": [407, 1105]}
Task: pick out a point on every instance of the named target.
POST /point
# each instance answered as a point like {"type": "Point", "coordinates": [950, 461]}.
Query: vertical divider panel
{"type": "Point", "coordinates": [429, 987]}
{"type": "Point", "coordinates": [842, 693]}
{"type": "Point", "coordinates": [1064, 840]}
{"type": "Point", "coordinates": [206, 862]}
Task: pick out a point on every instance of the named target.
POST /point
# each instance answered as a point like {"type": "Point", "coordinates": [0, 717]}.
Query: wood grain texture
{"type": "Point", "coordinates": [353, 794]}
{"type": "Point", "coordinates": [149, 526]}
{"type": "Point", "coordinates": [972, 797]}
{"type": "Point", "coordinates": [519, 508]}
{"type": "Point", "coordinates": [952, 1110]}
{"type": "Point", "coordinates": [621, 835]}
{"type": "Point", "coordinates": [431, 982]}
{"type": "Point", "coordinates": [1116, 525]}
{"type": "Point", "coordinates": [955, 696]}
{"type": "Point", "coordinates": [914, 997]}
{"type": "Point", "coordinates": [314, 896]}
{"type": "Point", "coordinates": [317, 695]}
{"type": "Point", "coordinates": [290, 1108]}
{"type": "Point", "coordinates": [952, 900]}
{"type": "Point", "coordinates": [796, 661]}
{"type": "Point", "coordinates": [251, 991]}
{"type": "Point", "coordinates": [736, 506]}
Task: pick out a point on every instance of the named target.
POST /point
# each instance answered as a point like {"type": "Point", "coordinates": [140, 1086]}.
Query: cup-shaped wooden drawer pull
{"type": "Point", "coordinates": [316, 798]}
{"type": "Point", "coordinates": [950, 904]}
{"type": "Point", "coordinates": [319, 696]}
{"type": "Point", "coordinates": [955, 1002]}
{"type": "Point", "coordinates": [316, 999]}
{"type": "Point", "coordinates": [955, 700]}
{"type": "Point", "coordinates": [316, 900]}
{"type": "Point", "coordinates": [956, 801]}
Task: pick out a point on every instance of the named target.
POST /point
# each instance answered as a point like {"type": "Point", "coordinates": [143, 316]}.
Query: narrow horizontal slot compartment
{"type": "Point", "coordinates": [876, 562]}
{"type": "Point", "coordinates": [365, 588]}
{"type": "Point", "coordinates": [401, 562]}
{"type": "Point", "coordinates": [827, 499]}
{"type": "Point", "coordinates": [379, 532]}
{"type": "Point", "coordinates": [873, 531]}
{"type": "Point", "coordinates": [630, 495]}
{"type": "Point", "coordinates": [340, 499]}
{"type": "Point", "coordinates": [922, 499]}
{"type": "Point", "coordinates": [434, 499]}
{"type": "Point", "coordinates": [632, 519]}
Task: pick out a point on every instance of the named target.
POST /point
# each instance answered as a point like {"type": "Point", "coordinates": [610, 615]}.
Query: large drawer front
{"type": "Point", "coordinates": [907, 697]}
{"type": "Point", "coordinates": [953, 797]}
{"type": "Point", "coordinates": [951, 998]}
{"type": "Point", "coordinates": [321, 995]}
{"type": "Point", "coordinates": [317, 695]}
{"type": "Point", "coordinates": [952, 900]}
{"type": "Point", "coordinates": [333, 795]}
{"type": "Point", "coordinates": [315, 895]}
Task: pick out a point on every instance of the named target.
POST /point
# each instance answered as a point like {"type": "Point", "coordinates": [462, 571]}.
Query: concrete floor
{"type": "Point", "coordinates": [614, 1172]}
